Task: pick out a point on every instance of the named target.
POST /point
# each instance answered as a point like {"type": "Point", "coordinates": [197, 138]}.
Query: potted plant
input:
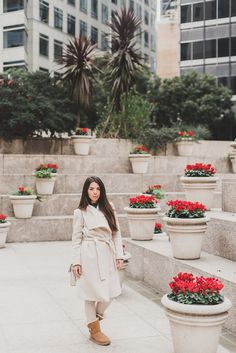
{"type": "Point", "coordinates": [23, 202]}
{"type": "Point", "coordinates": [45, 178]}
{"type": "Point", "coordinates": [196, 311]}
{"type": "Point", "coordinates": [232, 156]}
{"type": "Point", "coordinates": [139, 159]}
{"type": "Point", "coordinates": [199, 183]}
{"type": "Point", "coordinates": [126, 257]}
{"type": "Point", "coordinates": [186, 224]}
{"type": "Point", "coordinates": [81, 141]}
{"type": "Point", "coordinates": [142, 214]}
{"type": "Point", "coordinates": [157, 191]}
{"type": "Point", "coordinates": [4, 227]}
{"type": "Point", "coordinates": [185, 142]}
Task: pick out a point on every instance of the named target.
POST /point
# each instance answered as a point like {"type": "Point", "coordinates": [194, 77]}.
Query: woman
{"type": "Point", "coordinates": [97, 248]}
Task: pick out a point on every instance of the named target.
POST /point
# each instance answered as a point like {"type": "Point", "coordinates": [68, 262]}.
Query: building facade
{"type": "Point", "coordinates": [34, 32]}
{"type": "Point", "coordinates": [208, 39]}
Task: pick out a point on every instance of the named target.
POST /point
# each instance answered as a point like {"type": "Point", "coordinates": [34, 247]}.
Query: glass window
{"type": "Point", "coordinates": [185, 51]}
{"type": "Point", "coordinates": [146, 17]}
{"type": "Point", "coordinates": [152, 19]}
{"type": "Point", "coordinates": [122, 3]}
{"type": "Point", "coordinates": [198, 12]}
{"type": "Point", "coordinates": [223, 47]}
{"type": "Point", "coordinates": [131, 4]}
{"type": "Point", "coordinates": [104, 41]}
{"type": "Point", "coordinates": [233, 84]}
{"type": "Point", "coordinates": [83, 6]}
{"type": "Point", "coordinates": [71, 2]}
{"type": "Point", "coordinates": [43, 45]}
{"type": "Point", "coordinates": [139, 10]}
{"type": "Point", "coordinates": [114, 1]}
{"type": "Point", "coordinates": [94, 8]}
{"type": "Point", "coordinates": [104, 13]}
{"type": "Point", "coordinates": [13, 5]}
{"type": "Point", "coordinates": [210, 48]}
{"type": "Point", "coordinates": [146, 39]}
{"type": "Point", "coordinates": [146, 58]}
{"type": "Point", "coordinates": [44, 11]}
{"type": "Point", "coordinates": [71, 25]}
{"type": "Point", "coordinates": [210, 10]}
{"type": "Point", "coordinates": [153, 42]}
{"type": "Point", "coordinates": [58, 48]}
{"type": "Point", "coordinates": [224, 81]}
{"type": "Point", "coordinates": [233, 8]}
{"type": "Point", "coordinates": [83, 29]}
{"type": "Point", "coordinates": [223, 8]}
{"type": "Point", "coordinates": [197, 50]}
{"type": "Point", "coordinates": [185, 13]}
{"type": "Point", "coordinates": [14, 38]}
{"type": "Point", "coordinates": [58, 18]}
{"type": "Point", "coordinates": [233, 46]}
{"type": "Point", "coordinates": [94, 35]}
{"type": "Point", "coordinates": [146, 2]}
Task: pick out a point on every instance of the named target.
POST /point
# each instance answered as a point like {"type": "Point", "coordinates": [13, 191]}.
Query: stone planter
{"type": "Point", "coordinates": [139, 163]}
{"type": "Point", "coordinates": [81, 144]}
{"type": "Point", "coordinates": [185, 147]}
{"type": "Point", "coordinates": [4, 227]}
{"type": "Point", "coordinates": [141, 222]}
{"type": "Point", "coordinates": [195, 328]}
{"type": "Point", "coordinates": [23, 205]}
{"type": "Point", "coordinates": [200, 189]}
{"type": "Point", "coordinates": [186, 236]}
{"type": "Point", "coordinates": [126, 257]}
{"type": "Point", "coordinates": [232, 157]}
{"type": "Point", "coordinates": [45, 186]}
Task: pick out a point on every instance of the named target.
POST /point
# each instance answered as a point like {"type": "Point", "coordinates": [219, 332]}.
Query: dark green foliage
{"type": "Point", "coordinates": [208, 298]}
{"type": "Point", "coordinates": [156, 139]}
{"type": "Point", "coordinates": [31, 103]}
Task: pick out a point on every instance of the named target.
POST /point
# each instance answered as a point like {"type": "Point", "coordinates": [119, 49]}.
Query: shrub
{"type": "Point", "coordinates": [157, 139]}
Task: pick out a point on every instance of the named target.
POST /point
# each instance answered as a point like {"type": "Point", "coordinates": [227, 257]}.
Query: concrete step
{"type": "Point", "coordinates": [153, 263]}
{"type": "Point", "coordinates": [118, 183]}
{"type": "Point", "coordinates": [220, 238]}
{"type": "Point", "coordinates": [114, 163]}
{"type": "Point", "coordinates": [64, 204]}
{"type": "Point", "coordinates": [48, 228]}
{"type": "Point", "coordinates": [229, 195]}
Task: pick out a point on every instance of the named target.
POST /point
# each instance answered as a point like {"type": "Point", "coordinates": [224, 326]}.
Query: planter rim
{"type": "Point", "coordinates": [141, 210]}
{"type": "Point", "coordinates": [81, 137]}
{"type": "Point", "coordinates": [5, 225]}
{"type": "Point", "coordinates": [136, 155]}
{"type": "Point", "coordinates": [196, 309]}
{"type": "Point", "coordinates": [184, 141]}
{"type": "Point", "coordinates": [186, 220]}
{"type": "Point", "coordinates": [23, 197]}
{"type": "Point", "coordinates": [199, 179]}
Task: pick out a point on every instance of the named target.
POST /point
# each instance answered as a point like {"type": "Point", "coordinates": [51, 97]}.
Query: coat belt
{"type": "Point", "coordinates": [110, 243]}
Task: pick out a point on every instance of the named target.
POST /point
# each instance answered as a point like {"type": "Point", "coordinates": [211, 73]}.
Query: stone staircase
{"type": "Point", "coordinates": [152, 261]}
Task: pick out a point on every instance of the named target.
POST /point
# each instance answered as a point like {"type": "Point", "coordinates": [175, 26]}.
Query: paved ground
{"type": "Point", "coordinates": [39, 311]}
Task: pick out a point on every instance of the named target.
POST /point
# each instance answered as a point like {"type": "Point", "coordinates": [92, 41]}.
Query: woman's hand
{"type": "Point", "coordinates": [119, 263]}
{"type": "Point", "coordinates": [77, 270]}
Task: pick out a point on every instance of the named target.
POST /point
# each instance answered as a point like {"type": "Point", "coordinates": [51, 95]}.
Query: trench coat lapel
{"type": "Point", "coordinates": [94, 218]}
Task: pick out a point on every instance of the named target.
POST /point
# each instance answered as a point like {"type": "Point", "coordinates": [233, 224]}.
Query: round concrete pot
{"type": "Point", "coordinates": [186, 236]}
{"type": "Point", "coordinates": [195, 328]}
{"type": "Point", "coordinates": [23, 205]}
{"type": "Point", "coordinates": [45, 186]}
{"type": "Point", "coordinates": [139, 163]}
{"type": "Point", "coordinates": [141, 222]}
{"type": "Point", "coordinates": [4, 227]}
{"type": "Point", "coordinates": [185, 147]}
{"type": "Point", "coordinates": [200, 189]}
{"type": "Point", "coordinates": [81, 144]}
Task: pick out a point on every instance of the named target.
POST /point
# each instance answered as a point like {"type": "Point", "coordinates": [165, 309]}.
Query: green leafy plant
{"type": "Point", "coordinates": [157, 139]}
{"type": "Point", "coordinates": [44, 173]}
{"type": "Point", "coordinates": [22, 191]}
{"type": "Point", "coordinates": [140, 150]}
{"type": "Point", "coordinates": [156, 191]}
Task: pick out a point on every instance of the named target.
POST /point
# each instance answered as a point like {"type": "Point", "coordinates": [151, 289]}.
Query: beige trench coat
{"type": "Point", "coordinates": [96, 248]}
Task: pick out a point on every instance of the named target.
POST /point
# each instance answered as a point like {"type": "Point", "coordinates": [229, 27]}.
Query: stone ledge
{"type": "Point", "coordinates": [153, 263]}
{"type": "Point", "coordinates": [229, 194]}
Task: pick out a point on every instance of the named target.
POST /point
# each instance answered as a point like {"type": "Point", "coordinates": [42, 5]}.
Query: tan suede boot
{"type": "Point", "coordinates": [96, 335]}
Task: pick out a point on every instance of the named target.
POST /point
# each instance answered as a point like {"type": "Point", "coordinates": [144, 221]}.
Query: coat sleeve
{"type": "Point", "coordinates": [77, 237]}
{"type": "Point", "coordinates": [116, 236]}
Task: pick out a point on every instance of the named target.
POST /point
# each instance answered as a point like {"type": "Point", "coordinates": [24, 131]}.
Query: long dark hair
{"type": "Point", "coordinates": [103, 203]}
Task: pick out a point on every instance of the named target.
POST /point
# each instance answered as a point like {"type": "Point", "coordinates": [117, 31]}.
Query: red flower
{"type": "Point", "coordinates": [2, 217]}
{"type": "Point", "coordinates": [21, 189]}
{"type": "Point", "coordinates": [142, 201]}
{"type": "Point", "coordinates": [141, 148]}
{"type": "Point", "coordinates": [10, 83]}
{"type": "Point", "coordinates": [199, 169]}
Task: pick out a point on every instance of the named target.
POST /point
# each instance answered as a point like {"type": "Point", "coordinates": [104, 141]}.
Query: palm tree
{"type": "Point", "coordinates": [125, 59]}
{"type": "Point", "coordinates": [78, 68]}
